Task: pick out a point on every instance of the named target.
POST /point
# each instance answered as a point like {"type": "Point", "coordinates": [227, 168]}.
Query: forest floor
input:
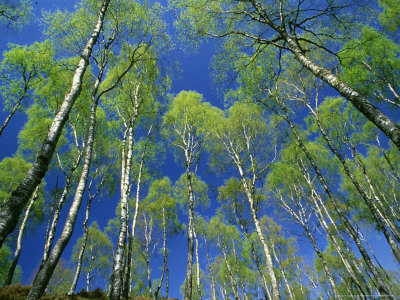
{"type": "Point", "coordinates": [19, 292]}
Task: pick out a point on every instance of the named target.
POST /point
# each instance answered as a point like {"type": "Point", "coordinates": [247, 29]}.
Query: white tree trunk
{"type": "Point", "coordinates": [116, 276]}
{"type": "Point", "coordinates": [43, 277]}
{"type": "Point", "coordinates": [12, 209]}
{"type": "Point", "coordinates": [17, 252]}
{"type": "Point", "coordinates": [197, 264]}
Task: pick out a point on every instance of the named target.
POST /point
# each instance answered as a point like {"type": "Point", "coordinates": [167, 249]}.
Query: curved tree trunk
{"type": "Point", "coordinates": [11, 211]}
{"type": "Point", "coordinates": [371, 112]}
{"type": "Point", "coordinates": [17, 252]}
{"type": "Point", "coordinates": [42, 278]}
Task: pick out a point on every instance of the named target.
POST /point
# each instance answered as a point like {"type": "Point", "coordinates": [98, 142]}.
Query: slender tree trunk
{"type": "Point", "coordinates": [13, 110]}
{"type": "Point", "coordinates": [43, 277]}
{"type": "Point", "coordinates": [164, 267]}
{"type": "Point", "coordinates": [232, 277]}
{"type": "Point", "coordinates": [283, 274]}
{"type": "Point", "coordinates": [116, 276]}
{"type": "Point", "coordinates": [223, 292]}
{"type": "Point", "coordinates": [383, 289]}
{"type": "Point", "coordinates": [17, 252]}
{"type": "Point", "coordinates": [197, 264]}
{"type": "Point", "coordinates": [167, 285]}
{"type": "Point", "coordinates": [264, 285]}
{"type": "Point", "coordinates": [376, 213]}
{"type": "Point", "coordinates": [324, 264]}
{"type": "Point", "coordinates": [213, 293]}
{"type": "Point", "coordinates": [12, 209]}
{"type": "Point", "coordinates": [82, 250]}
{"type": "Point", "coordinates": [52, 231]}
{"type": "Point", "coordinates": [85, 238]}
{"type": "Point", "coordinates": [188, 278]}
{"type": "Point", "coordinates": [87, 282]}
{"type": "Point", "coordinates": [338, 246]}
{"type": "Point", "coordinates": [249, 193]}
{"type": "Point", "coordinates": [128, 275]}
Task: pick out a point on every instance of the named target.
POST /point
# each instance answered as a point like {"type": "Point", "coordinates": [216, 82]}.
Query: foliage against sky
{"type": "Point", "coordinates": [288, 187]}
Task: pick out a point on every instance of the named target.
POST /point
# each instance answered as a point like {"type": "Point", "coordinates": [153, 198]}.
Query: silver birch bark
{"type": "Point", "coordinates": [264, 285]}
{"type": "Point", "coordinates": [248, 190]}
{"type": "Point", "coordinates": [11, 211]}
{"type": "Point", "coordinates": [382, 287]}
{"type": "Point", "coordinates": [188, 278]}
{"type": "Point", "coordinates": [148, 231]}
{"type": "Point", "coordinates": [283, 275]}
{"type": "Point", "coordinates": [213, 293]}
{"type": "Point", "coordinates": [42, 278]}
{"type": "Point", "coordinates": [197, 263]}
{"type": "Point", "coordinates": [164, 251]}
{"type": "Point", "coordinates": [81, 252]}
{"type": "Point", "coordinates": [116, 280]}
{"type": "Point", "coordinates": [17, 252]}
{"type": "Point", "coordinates": [128, 275]}
{"type": "Point", "coordinates": [63, 197]}
{"type": "Point", "coordinates": [117, 273]}
{"type": "Point", "coordinates": [381, 220]}
{"type": "Point", "coordinates": [303, 220]}
{"type": "Point", "coordinates": [371, 112]}
{"type": "Point", "coordinates": [167, 285]}
{"type": "Point", "coordinates": [190, 148]}
{"type": "Point", "coordinates": [322, 211]}
{"type": "Point", "coordinates": [286, 39]}
{"type": "Point", "coordinates": [85, 238]}
{"type": "Point", "coordinates": [232, 276]}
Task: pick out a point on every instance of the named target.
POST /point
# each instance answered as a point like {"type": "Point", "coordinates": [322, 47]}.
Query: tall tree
{"type": "Point", "coordinates": [244, 141]}
{"type": "Point", "coordinates": [163, 206]}
{"type": "Point", "coordinates": [186, 112]}
{"type": "Point", "coordinates": [297, 27]}
{"type": "Point", "coordinates": [10, 212]}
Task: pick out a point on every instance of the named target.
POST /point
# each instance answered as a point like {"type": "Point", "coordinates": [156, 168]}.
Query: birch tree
{"type": "Point", "coordinates": [186, 111]}
{"type": "Point", "coordinates": [163, 206]}
{"type": "Point", "coordinates": [311, 35]}
{"type": "Point", "coordinates": [239, 139]}
{"type": "Point", "coordinates": [10, 213]}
